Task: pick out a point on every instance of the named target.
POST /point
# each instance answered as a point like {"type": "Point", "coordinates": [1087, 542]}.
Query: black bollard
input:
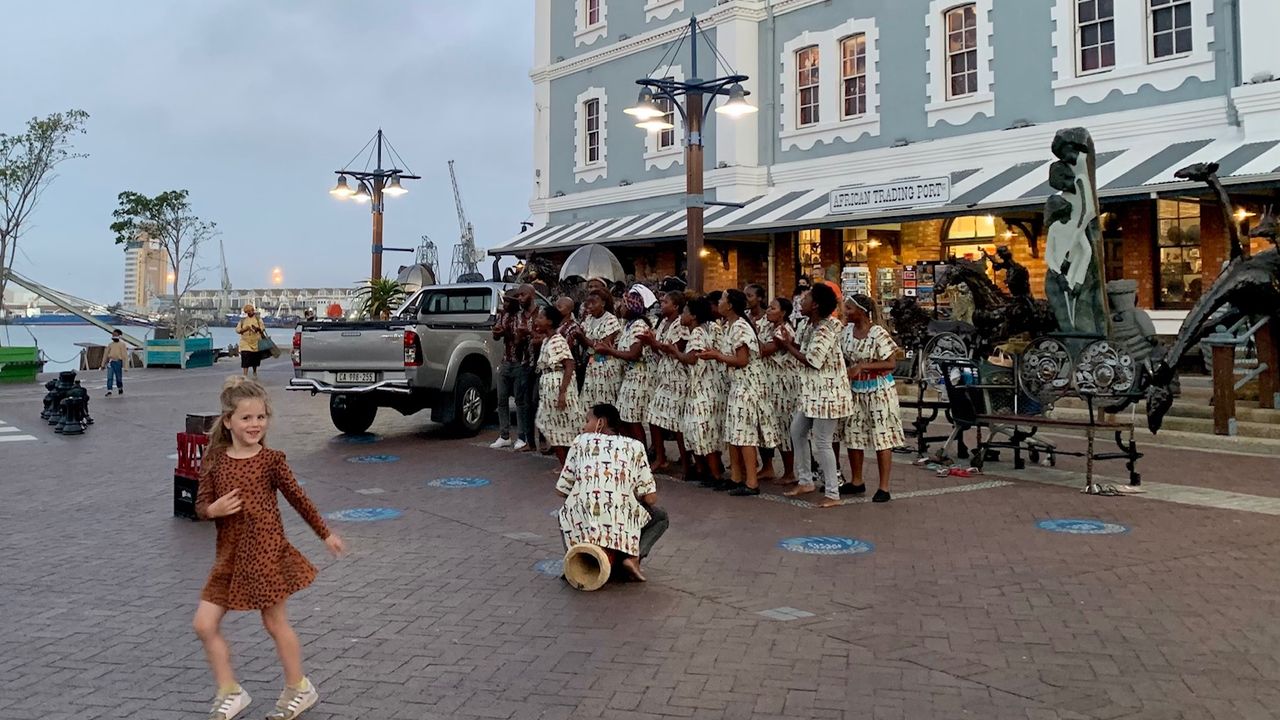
{"type": "Point", "coordinates": [49, 398]}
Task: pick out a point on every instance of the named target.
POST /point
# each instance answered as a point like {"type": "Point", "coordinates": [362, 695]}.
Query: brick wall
{"type": "Point", "coordinates": [1215, 247]}
{"type": "Point", "coordinates": [1138, 248]}
{"type": "Point", "coordinates": [784, 263]}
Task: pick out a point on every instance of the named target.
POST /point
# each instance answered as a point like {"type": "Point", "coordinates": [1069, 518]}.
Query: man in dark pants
{"type": "Point", "coordinates": [515, 327]}
{"type": "Point", "coordinates": [527, 374]}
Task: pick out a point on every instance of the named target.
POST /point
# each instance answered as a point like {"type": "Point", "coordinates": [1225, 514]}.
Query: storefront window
{"type": "Point", "coordinates": [811, 253]}
{"type": "Point", "coordinates": [855, 246]}
{"type": "Point", "coordinates": [969, 237]}
{"type": "Point", "coordinates": [1178, 239]}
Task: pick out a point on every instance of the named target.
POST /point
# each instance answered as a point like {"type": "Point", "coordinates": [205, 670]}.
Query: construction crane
{"type": "Point", "coordinates": [465, 261]}
{"type": "Point", "coordinates": [224, 301]}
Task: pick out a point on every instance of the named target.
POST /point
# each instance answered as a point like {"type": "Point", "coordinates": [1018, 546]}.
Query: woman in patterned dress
{"type": "Point", "coordinates": [559, 408]}
{"type": "Point", "coordinates": [609, 493]}
{"type": "Point", "coordinates": [744, 403]}
{"type": "Point", "coordinates": [781, 387]}
{"type": "Point", "coordinates": [703, 410]}
{"type": "Point", "coordinates": [825, 398]}
{"type": "Point", "coordinates": [633, 396]}
{"type": "Point", "coordinates": [600, 329]}
{"type": "Point", "coordinates": [870, 355]}
{"type": "Point", "coordinates": [671, 379]}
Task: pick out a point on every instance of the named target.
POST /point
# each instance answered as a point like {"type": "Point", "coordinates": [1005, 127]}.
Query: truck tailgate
{"type": "Point", "coordinates": [352, 353]}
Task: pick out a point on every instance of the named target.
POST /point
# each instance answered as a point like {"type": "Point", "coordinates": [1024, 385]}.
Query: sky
{"type": "Point", "coordinates": [251, 106]}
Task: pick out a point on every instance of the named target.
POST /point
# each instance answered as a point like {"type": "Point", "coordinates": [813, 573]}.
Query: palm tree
{"type": "Point", "coordinates": [380, 297]}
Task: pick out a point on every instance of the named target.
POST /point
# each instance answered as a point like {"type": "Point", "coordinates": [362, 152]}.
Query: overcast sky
{"type": "Point", "coordinates": [251, 106]}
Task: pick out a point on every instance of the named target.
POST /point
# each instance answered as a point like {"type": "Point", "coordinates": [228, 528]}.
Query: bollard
{"type": "Point", "coordinates": [587, 567]}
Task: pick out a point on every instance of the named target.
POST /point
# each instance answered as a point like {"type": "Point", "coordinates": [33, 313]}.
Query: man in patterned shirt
{"type": "Point", "coordinates": [515, 328]}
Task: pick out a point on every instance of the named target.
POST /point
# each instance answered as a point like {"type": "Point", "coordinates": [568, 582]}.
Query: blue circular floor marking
{"type": "Point", "coordinates": [364, 514]}
{"type": "Point", "coordinates": [1076, 526]}
{"type": "Point", "coordinates": [459, 482]}
{"type": "Point", "coordinates": [550, 568]}
{"type": "Point", "coordinates": [826, 545]}
{"type": "Point", "coordinates": [373, 459]}
{"type": "Point", "coordinates": [361, 439]}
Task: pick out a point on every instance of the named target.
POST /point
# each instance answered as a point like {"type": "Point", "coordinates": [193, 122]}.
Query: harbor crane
{"type": "Point", "coordinates": [465, 260]}
{"type": "Point", "coordinates": [224, 300]}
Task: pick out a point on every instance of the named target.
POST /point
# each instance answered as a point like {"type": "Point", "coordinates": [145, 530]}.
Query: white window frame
{"type": "Point", "coordinates": [661, 9]}
{"type": "Point", "coordinates": [585, 33]}
{"type": "Point", "coordinates": [941, 107]}
{"type": "Point", "coordinates": [964, 51]}
{"type": "Point", "coordinates": [664, 157]}
{"type": "Point", "coordinates": [1133, 69]}
{"type": "Point", "coordinates": [846, 77]}
{"type": "Point", "coordinates": [583, 170]}
{"type": "Point", "coordinates": [1079, 38]}
{"type": "Point", "coordinates": [1151, 30]}
{"type": "Point", "coordinates": [813, 85]}
{"type": "Point", "coordinates": [832, 126]}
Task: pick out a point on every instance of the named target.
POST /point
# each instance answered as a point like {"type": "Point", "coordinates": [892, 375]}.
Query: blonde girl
{"type": "Point", "coordinates": [255, 567]}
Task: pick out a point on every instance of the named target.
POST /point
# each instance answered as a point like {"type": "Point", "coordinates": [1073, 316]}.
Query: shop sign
{"type": "Point", "coordinates": [899, 194]}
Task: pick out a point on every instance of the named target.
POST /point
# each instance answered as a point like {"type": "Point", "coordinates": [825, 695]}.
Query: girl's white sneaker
{"type": "Point", "coordinates": [293, 702]}
{"type": "Point", "coordinates": [226, 707]}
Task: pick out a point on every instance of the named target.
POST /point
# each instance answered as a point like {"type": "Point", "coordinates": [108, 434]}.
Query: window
{"type": "Point", "coordinates": [857, 242]}
{"type": "Point", "coordinates": [810, 246]}
{"type": "Point", "coordinates": [591, 111]}
{"type": "Point", "coordinates": [592, 11]}
{"type": "Point", "coordinates": [962, 51]}
{"type": "Point", "coordinates": [465, 300]}
{"type": "Point", "coordinates": [1170, 28]}
{"type": "Point", "coordinates": [1178, 240]}
{"type": "Point", "coordinates": [853, 75]}
{"type": "Point", "coordinates": [667, 138]}
{"type": "Point", "coordinates": [1095, 23]}
{"type": "Point", "coordinates": [807, 86]}
{"type": "Point", "coordinates": [970, 237]}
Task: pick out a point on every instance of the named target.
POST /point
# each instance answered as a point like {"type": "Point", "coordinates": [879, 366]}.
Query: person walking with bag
{"type": "Point", "coordinates": [251, 331]}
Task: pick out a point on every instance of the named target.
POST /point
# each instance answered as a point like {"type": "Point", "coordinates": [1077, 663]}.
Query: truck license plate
{"type": "Point", "coordinates": [357, 377]}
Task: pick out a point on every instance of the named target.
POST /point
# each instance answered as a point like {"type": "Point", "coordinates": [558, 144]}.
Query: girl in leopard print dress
{"type": "Point", "coordinates": [255, 567]}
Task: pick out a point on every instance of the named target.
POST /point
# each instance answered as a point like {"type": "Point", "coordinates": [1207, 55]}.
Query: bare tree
{"type": "Point", "coordinates": [27, 163]}
{"type": "Point", "coordinates": [166, 220]}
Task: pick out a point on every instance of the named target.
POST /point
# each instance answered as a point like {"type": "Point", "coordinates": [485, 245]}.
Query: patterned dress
{"type": "Point", "coordinates": [633, 397]}
{"type": "Point", "coordinates": [604, 477]}
{"type": "Point", "coordinates": [255, 567]}
{"type": "Point", "coordinates": [781, 378]}
{"type": "Point", "coordinates": [875, 423]}
{"type": "Point", "coordinates": [824, 381]}
{"type": "Point", "coordinates": [559, 426]}
{"type": "Point", "coordinates": [666, 409]}
{"type": "Point", "coordinates": [745, 405]}
{"type": "Point", "coordinates": [604, 373]}
{"type": "Point", "coordinates": [704, 405]}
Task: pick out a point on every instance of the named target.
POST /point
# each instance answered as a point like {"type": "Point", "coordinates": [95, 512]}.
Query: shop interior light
{"type": "Point", "coordinates": [1243, 214]}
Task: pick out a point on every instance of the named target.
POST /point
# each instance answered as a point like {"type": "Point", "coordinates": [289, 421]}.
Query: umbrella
{"type": "Point", "coordinates": [592, 261]}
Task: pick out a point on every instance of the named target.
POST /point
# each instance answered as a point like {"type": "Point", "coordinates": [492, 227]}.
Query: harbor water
{"type": "Point", "coordinates": [58, 342]}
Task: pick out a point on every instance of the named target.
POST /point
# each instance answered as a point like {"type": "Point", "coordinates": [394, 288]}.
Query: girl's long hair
{"type": "Point", "coordinates": [236, 389]}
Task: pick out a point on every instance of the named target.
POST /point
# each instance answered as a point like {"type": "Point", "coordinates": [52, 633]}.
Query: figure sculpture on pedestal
{"type": "Point", "coordinates": [1073, 252]}
{"type": "Point", "coordinates": [1131, 327]}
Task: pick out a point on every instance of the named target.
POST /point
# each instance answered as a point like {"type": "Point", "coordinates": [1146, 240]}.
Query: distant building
{"type": "Point", "coordinates": [145, 273]}
{"type": "Point", "coordinates": [277, 302]}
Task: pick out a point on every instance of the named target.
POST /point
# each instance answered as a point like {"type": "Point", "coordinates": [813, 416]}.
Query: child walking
{"type": "Point", "coordinates": [255, 567]}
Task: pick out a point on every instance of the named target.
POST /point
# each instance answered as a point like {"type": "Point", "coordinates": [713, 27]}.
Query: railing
{"type": "Point", "coordinates": [1223, 344]}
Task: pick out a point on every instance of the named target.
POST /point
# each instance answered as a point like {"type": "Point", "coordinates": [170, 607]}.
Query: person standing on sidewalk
{"type": "Point", "coordinates": [870, 355]}
{"type": "Point", "coordinates": [251, 330]}
{"type": "Point", "coordinates": [114, 358]}
{"type": "Point", "coordinates": [515, 333]}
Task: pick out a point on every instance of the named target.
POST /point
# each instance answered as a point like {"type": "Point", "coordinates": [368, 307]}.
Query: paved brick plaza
{"type": "Point", "coordinates": [963, 609]}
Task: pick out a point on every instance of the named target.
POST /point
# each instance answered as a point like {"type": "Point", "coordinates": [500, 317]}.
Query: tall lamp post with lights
{"type": "Point", "coordinates": [372, 186]}
{"type": "Point", "coordinates": [651, 117]}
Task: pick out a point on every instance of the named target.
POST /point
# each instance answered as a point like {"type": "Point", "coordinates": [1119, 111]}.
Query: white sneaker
{"type": "Point", "coordinates": [520, 445]}
{"type": "Point", "coordinates": [293, 702]}
{"type": "Point", "coordinates": [226, 707]}
{"type": "Point", "coordinates": [500, 443]}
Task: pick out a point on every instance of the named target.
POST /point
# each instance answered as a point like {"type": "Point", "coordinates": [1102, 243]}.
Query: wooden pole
{"type": "Point", "coordinates": [1269, 380]}
{"type": "Point", "coordinates": [375, 272]}
{"type": "Point", "coordinates": [1224, 393]}
{"type": "Point", "coordinates": [695, 203]}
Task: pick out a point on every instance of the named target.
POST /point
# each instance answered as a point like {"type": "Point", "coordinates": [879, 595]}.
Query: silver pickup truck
{"type": "Point", "coordinates": [437, 352]}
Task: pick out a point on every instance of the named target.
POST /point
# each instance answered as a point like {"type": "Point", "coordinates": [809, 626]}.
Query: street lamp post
{"type": "Point", "coordinates": [692, 110]}
{"type": "Point", "coordinates": [373, 186]}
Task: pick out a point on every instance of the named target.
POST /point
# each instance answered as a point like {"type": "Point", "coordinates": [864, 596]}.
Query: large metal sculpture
{"type": "Point", "coordinates": [1074, 281]}
{"type": "Point", "coordinates": [997, 315]}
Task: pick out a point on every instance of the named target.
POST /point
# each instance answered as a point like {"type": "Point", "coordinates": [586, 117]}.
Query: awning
{"type": "Point", "coordinates": [1137, 171]}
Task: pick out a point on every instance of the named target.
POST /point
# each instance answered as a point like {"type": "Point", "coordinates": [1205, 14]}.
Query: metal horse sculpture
{"type": "Point", "coordinates": [1246, 287]}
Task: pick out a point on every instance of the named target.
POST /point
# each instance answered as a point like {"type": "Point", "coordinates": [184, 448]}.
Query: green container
{"type": "Point", "coordinates": [19, 364]}
{"type": "Point", "coordinates": [189, 353]}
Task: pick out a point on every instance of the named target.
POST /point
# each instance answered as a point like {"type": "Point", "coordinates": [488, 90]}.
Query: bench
{"type": "Point", "coordinates": [1100, 374]}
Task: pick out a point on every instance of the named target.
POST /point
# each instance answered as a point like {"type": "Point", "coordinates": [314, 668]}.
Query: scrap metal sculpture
{"type": "Point", "coordinates": [1074, 283]}
{"type": "Point", "coordinates": [997, 315]}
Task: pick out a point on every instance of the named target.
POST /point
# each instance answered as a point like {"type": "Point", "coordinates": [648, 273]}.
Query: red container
{"type": "Point", "coordinates": [186, 476]}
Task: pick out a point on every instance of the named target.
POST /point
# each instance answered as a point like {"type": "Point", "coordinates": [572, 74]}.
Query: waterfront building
{"type": "Point", "coordinates": [893, 134]}
{"type": "Point", "coordinates": [145, 273]}
{"type": "Point", "coordinates": [272, 302]}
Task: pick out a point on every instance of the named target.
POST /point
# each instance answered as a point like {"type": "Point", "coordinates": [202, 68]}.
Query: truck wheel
{"type": "Point", "coordinates": [468, 405]}
{"type": "Point", "coordinates": [351, 415]}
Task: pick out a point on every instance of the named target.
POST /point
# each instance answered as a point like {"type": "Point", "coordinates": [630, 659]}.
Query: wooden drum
{"type": "Point", "coordinates": [587, 567]}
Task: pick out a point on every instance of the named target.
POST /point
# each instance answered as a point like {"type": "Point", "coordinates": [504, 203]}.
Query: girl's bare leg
{"type": "Point", "coordinates": [855, 465]}
{"type": "Point", "coordinates": [748, 455]}
{"type": "Point", "coordinates": [562, 454]}
{"type": "Point", "coordinates": [276, 620]}
{"type": "Point", "coordinates": [717, 467]}
{"type": "Point", "coordinates": [659, 448]}
{"type": "Point", "coordinates": [788, 466]}
{"type": "Point", "coordinates": [736, 470]}
{"type": "Point", "coordinates": [884, 461]}
{"type": "Point", "coordinates": [207, 624]}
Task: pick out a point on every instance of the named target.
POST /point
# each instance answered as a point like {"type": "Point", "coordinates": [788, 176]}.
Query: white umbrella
{"type": "Point", "coordinates": [592, 261]}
